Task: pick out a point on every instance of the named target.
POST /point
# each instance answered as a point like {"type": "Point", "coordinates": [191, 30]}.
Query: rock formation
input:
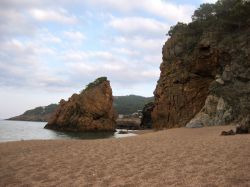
{"type": "Point", "coordinates": [91, 110]}
{"type": "Point", "coordinates": [205, 73]}
{"type": "Point", "coordinates": [146, 121]}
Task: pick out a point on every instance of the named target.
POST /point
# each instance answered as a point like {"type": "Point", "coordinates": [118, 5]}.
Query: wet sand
{"type": "Point", "coordinates": [175, 157]}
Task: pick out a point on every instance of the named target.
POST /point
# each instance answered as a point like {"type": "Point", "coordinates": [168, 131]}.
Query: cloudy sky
{"type": "Point", "coordinates": [51, 49]}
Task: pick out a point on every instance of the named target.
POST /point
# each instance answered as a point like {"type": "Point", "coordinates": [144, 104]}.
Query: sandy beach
{"type": "Point", "coordinates": [175, 157]}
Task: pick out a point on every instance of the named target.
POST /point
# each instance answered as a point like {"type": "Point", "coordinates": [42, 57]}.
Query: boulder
{"type": "Point", "coordinates": [91, 110]}
{"type": "Point", "coordinates": [146, 121]}
{"type": "Point", "coordinates": [214, 112]}
{"type": "Point", "coordinates": [244, 126]}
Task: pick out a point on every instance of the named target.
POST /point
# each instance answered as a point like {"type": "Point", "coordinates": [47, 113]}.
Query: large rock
{"type": "Point", "coordinates": [214, 112]}
{"type": "Point", "coordinates": [91, 110]}
{"type": "Point", "coordinates": [184, 84]}
{"type": "Point", "coordinates": [207, 84]}
{"type": "Point", "coordinates": [146, 121]}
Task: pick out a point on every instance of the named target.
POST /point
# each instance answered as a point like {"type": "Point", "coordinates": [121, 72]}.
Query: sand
{"type": "Point", "coordinates": [175, 157]}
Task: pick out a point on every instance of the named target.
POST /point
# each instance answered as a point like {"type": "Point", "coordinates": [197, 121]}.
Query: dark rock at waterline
{"type": "Point", "coordinates": [130, 123]}
{"type": "Point", "coordinates": [146, 121]}
{"type": "Point", "coordinates": [122, 132]}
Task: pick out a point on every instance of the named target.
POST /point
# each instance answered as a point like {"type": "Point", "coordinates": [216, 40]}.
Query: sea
{"type": "Point", "coordinates": [26, 130]}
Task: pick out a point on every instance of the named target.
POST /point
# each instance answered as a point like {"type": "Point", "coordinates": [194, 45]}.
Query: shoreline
{"type": "Point", "coordinates": [173, 157]}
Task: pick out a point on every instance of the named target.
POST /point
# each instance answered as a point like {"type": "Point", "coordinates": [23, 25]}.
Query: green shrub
{"type": "Point", "coordinates": [95, 83]}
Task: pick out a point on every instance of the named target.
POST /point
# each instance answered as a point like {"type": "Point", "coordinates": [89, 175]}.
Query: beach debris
{"type": "Point", "coordinates": [244, 126]}
{"type": "Point", "coordinates": [227, 133]}
{"type": "Point", "coordinates": [123, 132]}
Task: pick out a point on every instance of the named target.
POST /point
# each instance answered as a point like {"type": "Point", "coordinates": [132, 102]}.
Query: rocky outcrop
{"type": "Point", "coordinates": [184, 83]}
{"type": "Point", "coordinates": [146, 121]}
{"type": "Point", "coordinates": [205, 77]}
{"type": "Point", "coordinates": [216, 111]}
{"type": "Point", "coordinates": [229, 93]}
{"type": "Point", "coordinates": [91, 110]}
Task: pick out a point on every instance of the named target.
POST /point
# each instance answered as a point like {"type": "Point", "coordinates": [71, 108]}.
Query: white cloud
{"type": "Point", "coordinates": [79, 56]}
{"type": "Point", "coordinates": [75, 35]}
{"type": "Point", "coordinates": [164, 9]}
{"type": "Point", "coordinates": [169, 11]}
{"type": "Point", "coordinates": [139, 43]}
{"type": "Point", "coordinates": [60, 15]}
{"type": "Point", "coordinates": [209, 1]}
{"type": "Point", "coordinates": [15, 23]}
{"type": "Point", "coordinates": [152, 59]}
{"type": "Point", "coordinates": [151, 74]}
{"type": "Point", "coordinates": [46, 37]}
{"type": "Point", "coordinates": [125, 51]}
{"type": "Point", "coordinates": [138, 25]}
{"type": "Point", "coordinates": [119, 69]}
{"type": "Point", "coordinates": [21, 64]}
{"type": "Point", "coordinates": [14, 49]}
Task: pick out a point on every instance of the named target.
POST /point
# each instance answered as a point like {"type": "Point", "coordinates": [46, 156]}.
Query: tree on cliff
{"type": "Point", "coordinates": [178, 28]}
{"type": "Point", "coordinates": [95, 83]}
{"type": "Point", "coordinates": [230, 14]}
{"type": "Point", "coordinates": [224, 16]}
{"type": "Point", "coordinates": [233, 14]}
{"type": "Point", "coordinates": [204, 12]}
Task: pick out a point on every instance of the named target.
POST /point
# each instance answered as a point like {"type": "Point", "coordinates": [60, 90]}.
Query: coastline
{"type": "Point", "coordinates": [174, 157]}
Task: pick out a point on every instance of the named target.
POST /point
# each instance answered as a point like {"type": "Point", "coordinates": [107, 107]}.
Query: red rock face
{"type": "Point", "coordinates": [92, 110]}
{"type": "Point", "coordinates": [183, 85]}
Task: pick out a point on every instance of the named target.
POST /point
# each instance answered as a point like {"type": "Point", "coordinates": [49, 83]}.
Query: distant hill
{"type": "Point", "coordinates": [130, 103]}
{"type": "Point", "coordinates": [122, 104]}
{"type": "Point", "coordinates": [37, 114]}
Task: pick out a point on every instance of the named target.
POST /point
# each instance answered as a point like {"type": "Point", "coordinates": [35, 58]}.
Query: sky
{"type": "Point", "coordinates": [52, 49]}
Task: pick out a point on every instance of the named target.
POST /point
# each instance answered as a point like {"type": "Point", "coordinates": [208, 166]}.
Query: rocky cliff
{"type": "Point", "coordinates": [205, 73]}
{"type": "Point", "coordinates": [91, 110]}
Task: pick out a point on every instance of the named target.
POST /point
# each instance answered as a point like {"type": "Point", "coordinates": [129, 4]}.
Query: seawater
{"type": "Point", "coordinates": [26, 130]}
